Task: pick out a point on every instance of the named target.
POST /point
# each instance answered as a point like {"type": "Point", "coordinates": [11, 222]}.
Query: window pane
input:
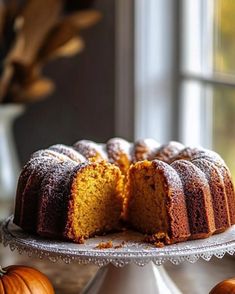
{"type": "Point", "coordinates": [224, 36]}
{"type": "Point", "coordinates": [224, 124]}
{"type": "Point", "coordinates": [197, 37]}
{"type": "Point", "coordinates": [208, 118]}
{"type": "Point", "coordinates": [208, 37]}
{"type": "Point", "coordinates": [196, 114]}
{"type": "Point", "coordinates": [191, 36]}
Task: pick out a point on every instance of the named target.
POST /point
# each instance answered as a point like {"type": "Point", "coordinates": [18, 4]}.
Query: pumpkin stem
{"type": "Point", "coordinates": [2, 271]}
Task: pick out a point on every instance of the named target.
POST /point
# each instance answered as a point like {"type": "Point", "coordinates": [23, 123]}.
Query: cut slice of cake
{"type": "Point", "coordinates": [156, 204]}
{"type": "Point", "coordinates": [95, 201]}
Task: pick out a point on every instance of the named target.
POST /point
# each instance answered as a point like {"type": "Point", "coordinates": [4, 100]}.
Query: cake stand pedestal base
{"type": "Point", "coordinates": [131, 278]}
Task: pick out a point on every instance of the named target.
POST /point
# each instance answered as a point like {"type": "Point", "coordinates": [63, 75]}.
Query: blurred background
{"type": "Point", "coordinates": [82, 104]}
{"type": "Point", "coordinates": [161, 69]}
{"type": "Point", "coordinates": [146, 68]}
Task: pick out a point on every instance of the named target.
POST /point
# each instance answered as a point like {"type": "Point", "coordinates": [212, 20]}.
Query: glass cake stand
{"type": "Point", "coordinates": [129, 266]}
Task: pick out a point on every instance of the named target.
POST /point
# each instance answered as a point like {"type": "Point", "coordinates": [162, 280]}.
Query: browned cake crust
{"type": "Point", "coordinates": [23, 178]}
{"type": "Point", "coordinates": [53, 200]}
{"type": "Point", "coordinates": [213, 157]}
{"type": "Point", "coordinates": [27, 192]}
{"type": "Point", "coordinates": [198, 199]}
{"type": "Point", "coordinates": [218, 193]}
{"type": "Point", "coordinates": [226, 175]}
{"type": "Point", "coordinates": [229, 188]}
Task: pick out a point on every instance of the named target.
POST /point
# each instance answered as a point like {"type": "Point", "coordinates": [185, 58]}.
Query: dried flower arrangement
{"type": "Point", "coordinates": [32, 32]}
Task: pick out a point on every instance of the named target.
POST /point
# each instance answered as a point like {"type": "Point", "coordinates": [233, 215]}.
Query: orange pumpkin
{"type": "Point", "coordinates": [19, 279]}
{"type": "Point", "coordinates": [224, 287]}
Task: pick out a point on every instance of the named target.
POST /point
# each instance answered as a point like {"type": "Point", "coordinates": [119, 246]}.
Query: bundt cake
{"type": "Point", "coordinates": [169, 192]}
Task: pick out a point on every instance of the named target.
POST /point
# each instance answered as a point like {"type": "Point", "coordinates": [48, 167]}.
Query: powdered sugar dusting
{"type": "Point", "coordinates": [144, 149]}
{"type": "Point", "coordinates": [51, 154]}
{"type": "Point", "coordinates": [69, 152]}
{"type": "Point", "coordinates": [36, 164]}
{"type": "Point", "coordinates": [189, 173]}
{"type": "Point", "coordinates": [167, 151]}
{"type": "Point", "coordinates": [187, 154]}
{"type": "Point", "coordinates": [209, 154]}
{"type": "Point", "coordinates": [170, 174]}
{"type": "Point", "coordinates": [207, 167]}
{"type": "Point", "coordinates": [41, 165]}
{"type": "Point", "coordinates": [116, 146]}
{"type": "Point", "coordinates": [90, 149]}
{"type": "Point", "coordinates": [102, 150]}
{"type": "Point", "coordinates": [151, 144]}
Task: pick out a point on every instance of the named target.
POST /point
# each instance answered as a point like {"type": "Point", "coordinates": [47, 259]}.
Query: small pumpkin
{"type": "Point", "coordinates": [19, 279]}
{"type": "Point", "coordinates": [224, 287]}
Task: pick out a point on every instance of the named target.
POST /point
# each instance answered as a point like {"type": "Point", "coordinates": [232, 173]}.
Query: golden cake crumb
{"type": "Point", "coordinates": [158, 240]}
{"type": "Point", "coordinates": [105, 245]}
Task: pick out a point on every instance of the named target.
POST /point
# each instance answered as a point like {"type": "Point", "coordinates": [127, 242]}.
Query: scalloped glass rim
{"type": "Point", "coordinates": [134, 249]}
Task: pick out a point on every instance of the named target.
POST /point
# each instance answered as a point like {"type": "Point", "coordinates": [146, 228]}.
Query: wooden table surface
{"type": "Point", "coordinates": [195, 278]}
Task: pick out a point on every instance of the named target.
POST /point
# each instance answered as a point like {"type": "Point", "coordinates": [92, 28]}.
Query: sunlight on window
{"type": "Point", "coordinates": [224, 36]}
{"type": "Point", "coordinates": [224, 97]}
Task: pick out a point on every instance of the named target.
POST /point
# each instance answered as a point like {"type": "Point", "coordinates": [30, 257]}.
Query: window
{"type": "Point", "coordinates": [184, 73]}
{"type": "Point", "coordinates": [207, 76]}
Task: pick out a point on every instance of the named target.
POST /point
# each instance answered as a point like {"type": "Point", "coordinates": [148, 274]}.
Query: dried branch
{"type": "Point", "coordinates": [83, 19]}
{"type": "Point", "coordinates": [32, 92]}
{"type": "Point", "coordinates": [31, 33]}
{"type": "Point", "coordinates": [37, 22]}
{"type": "Point", "coordinates": [72, 47]}
{"type": "Point", "coordinates": [58, 37]}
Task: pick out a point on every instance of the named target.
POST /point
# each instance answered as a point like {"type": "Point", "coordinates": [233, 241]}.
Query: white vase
{"type": "Point", "coordinates": [9, 164]}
